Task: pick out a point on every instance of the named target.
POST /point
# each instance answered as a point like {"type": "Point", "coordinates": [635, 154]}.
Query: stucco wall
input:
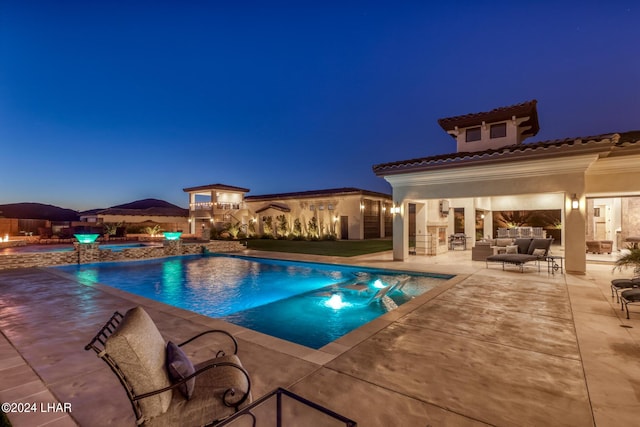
{"type": "Point", "coordinates": [301, 208]}
{"type": "Point", "coordinates": [630, 217]}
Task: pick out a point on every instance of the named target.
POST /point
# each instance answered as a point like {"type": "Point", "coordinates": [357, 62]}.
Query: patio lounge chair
{"type": "Point", "coordinates": [164, 388]}
{"type": "Point", "coordinates": [525, 250]}
{"type": "Point", "coordinates": [620, 284]}
{"type": "Point", "coordinates": [630, 296]}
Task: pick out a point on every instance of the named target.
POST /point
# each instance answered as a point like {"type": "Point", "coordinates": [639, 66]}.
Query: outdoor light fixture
{"type": "Point", "coordinates": [575, 203]}
{"type": "Point", "coordinates": [395, 210]}
{"type": "Point", "coordinates": [86, 238]}
{"type": "Point", "coordinates": [172, 235]}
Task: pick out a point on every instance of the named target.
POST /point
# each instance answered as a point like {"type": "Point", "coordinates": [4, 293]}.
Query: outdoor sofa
{"type": "Point", "coordinates": [484, 248]}
{"type": "Point", "coordinates": [523, 251]}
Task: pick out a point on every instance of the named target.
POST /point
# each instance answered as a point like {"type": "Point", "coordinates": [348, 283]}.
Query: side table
{"type": "Point", "coordinates": [553, 265]}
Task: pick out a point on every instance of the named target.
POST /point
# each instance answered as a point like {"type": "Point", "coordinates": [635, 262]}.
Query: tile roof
{"type": "Point", "coordinates": [317, 193]}
{"type": "Point", "coordinates": [525, 109]}
{"type": "Point", "coordinates": [558, 147]}
{"type": "Point", "coordinates": [222, 187]}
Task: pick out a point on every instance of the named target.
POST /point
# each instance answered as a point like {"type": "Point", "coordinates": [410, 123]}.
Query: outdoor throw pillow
{"type": "Point", "coordinates": [179, 366]}
{"type": "Point", "coordinates": [512, 249]}
{"type": "Point", "coordinates": [538, 252]}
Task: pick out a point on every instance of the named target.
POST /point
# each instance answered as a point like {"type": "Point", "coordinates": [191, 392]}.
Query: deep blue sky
{"type": "Point", "coordinates": [104, 103]}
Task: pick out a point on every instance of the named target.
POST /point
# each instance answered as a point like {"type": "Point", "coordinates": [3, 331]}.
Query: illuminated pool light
{"type": "Point", "coordinates": [172, 235]}
{"type": "Point", "coordinates": [336, 302]}
{"type": "Point", "coordinates": [86, 238]}
{"type": "Point", "coordinates": [378, 284]}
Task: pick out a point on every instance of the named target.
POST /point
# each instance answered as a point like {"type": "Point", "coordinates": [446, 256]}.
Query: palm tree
{"type": "Point", "coordinates": [631, 258]}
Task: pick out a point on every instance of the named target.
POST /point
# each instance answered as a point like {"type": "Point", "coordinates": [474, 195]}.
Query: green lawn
{"type": "Point", "coordinates": [344, 248]}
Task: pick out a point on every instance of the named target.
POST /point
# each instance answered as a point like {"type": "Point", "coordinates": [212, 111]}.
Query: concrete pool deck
{"type": "Point", "coordinates": [489, 347]}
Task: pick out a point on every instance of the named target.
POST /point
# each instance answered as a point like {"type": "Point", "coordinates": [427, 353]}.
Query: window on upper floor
{"type": "Point", "coordinates": [498, 131]}
{"type": "Point", "coordinates": [473, 134]}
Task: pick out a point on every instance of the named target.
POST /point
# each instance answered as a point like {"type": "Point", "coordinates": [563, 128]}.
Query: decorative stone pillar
{"type": "Point", "coordinates": [88, 252]}
{"type": "Point", "coordinates": [172, 247]}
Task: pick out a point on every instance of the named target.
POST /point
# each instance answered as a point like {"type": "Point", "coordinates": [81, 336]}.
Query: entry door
{"type": "Point", "coordinates": [344, 227]}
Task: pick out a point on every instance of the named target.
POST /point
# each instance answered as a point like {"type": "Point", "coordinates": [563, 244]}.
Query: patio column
{"type": "Point", "coordinates": [400, 232]}
{"type": "Point", "coordinates": [192, 213]}
{"type": "Point", "coordinates": [574, 234]}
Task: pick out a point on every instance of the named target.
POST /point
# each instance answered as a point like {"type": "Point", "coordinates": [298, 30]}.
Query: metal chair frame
{"type": "Point", "coordinates": [97, 344]}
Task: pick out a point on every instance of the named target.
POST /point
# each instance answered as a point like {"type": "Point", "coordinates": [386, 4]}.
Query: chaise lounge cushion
{"type": "Point", "coordinates": [528, 247]}
{"type": "Point", "coordinates": [140, 352]}
{"type": "Point", "coordinates": [537, 244]}
{"type": "Point", "coordinates": [523, 245]}
{"type": "Point", "coordinates": [513, 258]}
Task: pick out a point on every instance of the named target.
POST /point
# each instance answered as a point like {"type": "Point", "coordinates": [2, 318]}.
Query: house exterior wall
{"type": "Point", "coordinates": [512, 136]}
{"type": "Point", "coordinates": [327, 210]}
{"type": "Point", "coordinates": [215, 205]}
{"type": "Point", "coordinates": [218, 206]}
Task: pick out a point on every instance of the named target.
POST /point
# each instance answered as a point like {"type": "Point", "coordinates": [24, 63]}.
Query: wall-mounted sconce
{"type": "Point", "coordinates": [575, 203]}
{"type": "Point", "coordinates": [444, 207]}
{"type": "Point", "coordinates": [395, 210]}
{"type": "Point", "coordinates": [361, 206]}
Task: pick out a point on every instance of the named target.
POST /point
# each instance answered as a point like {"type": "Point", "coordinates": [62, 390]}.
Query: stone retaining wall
{"type": "Point", "coordinates": [88, 253]}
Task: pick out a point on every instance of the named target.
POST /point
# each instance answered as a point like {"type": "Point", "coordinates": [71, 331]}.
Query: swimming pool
{"type": "Point", "coordinates": [308, 303]}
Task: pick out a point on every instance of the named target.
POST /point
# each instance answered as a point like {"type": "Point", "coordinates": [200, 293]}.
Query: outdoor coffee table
{"type": "Point", "coordinates": [283, 408]}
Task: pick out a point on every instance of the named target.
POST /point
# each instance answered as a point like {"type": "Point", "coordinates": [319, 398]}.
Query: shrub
{"type": "Point", "coordinates": [267, 225]}
{"type": "Point", "coordinates": [153, 231]}
{"type": "Point", "coordinates": [313, 229]}
{"type": "Point", "coordinates": [283, 225]}
{"type": "Point", "coordinates": [233, 230]}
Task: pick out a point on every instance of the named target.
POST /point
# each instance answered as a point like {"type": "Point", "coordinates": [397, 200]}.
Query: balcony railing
{"type": "Point", "coordinates": [208, 206]}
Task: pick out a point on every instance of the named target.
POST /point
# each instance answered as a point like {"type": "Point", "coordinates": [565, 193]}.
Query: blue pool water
{"type": "Point", "coordinates": [308, 303]}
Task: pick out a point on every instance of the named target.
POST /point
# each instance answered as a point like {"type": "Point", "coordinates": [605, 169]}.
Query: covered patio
{"type": "Point", "coordinates": [553, 175]}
